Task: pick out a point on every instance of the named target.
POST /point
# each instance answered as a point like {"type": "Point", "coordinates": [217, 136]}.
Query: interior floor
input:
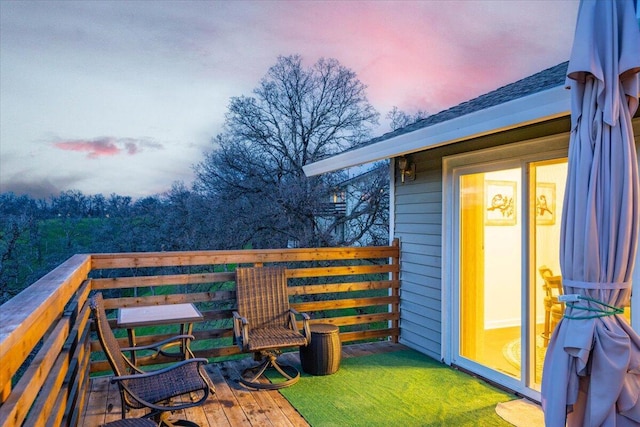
{"type": "Point", "coordinates": [501, 351]}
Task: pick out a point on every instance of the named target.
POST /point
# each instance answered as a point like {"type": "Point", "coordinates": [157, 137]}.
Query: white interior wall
{"type": "Point", "coordinates": [502, 245]}
{"type": "Point", "coordinates": [503, 252]}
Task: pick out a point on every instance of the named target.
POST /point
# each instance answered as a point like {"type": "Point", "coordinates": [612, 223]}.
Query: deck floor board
{"type": "Point", "coordinates": [232, 404]}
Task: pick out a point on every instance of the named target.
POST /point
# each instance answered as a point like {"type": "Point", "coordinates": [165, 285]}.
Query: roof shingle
{"type": "Point", "coordinates": [543, 80]}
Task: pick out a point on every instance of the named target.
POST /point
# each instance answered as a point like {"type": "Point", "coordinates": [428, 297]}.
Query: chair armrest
{"type": "Point", "coordinates": [305, 316]}
{"type": "Point", "coordinates": [241, 330]}
{"type": "Point", "coordinates": [305, 322]}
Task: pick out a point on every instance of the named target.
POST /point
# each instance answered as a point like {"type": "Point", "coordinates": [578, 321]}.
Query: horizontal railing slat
{"type": "Point", "coordinates": [243, 256]}
{"type": "Point", "coordinates": [342, 287]}
{"type": "Point", "coordinates": [168, 299]}
{"type": "Point", "coordinates": [356, 320]}
{"type": "Point", "coordinates": [340, 271]}
{"type": "Point", "coordinates": [170, 279]}
{"type": "Point", "coordinates": [342, 303]}
{"type": "Point", "coordinates": [370, 334]}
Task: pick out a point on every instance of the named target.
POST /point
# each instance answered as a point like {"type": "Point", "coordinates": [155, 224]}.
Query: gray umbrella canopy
{"type": "Point", "coordinates": [591, 374]}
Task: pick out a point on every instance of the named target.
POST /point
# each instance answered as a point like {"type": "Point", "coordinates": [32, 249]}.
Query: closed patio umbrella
{"type": "Point", "coordinates": [591, 374]}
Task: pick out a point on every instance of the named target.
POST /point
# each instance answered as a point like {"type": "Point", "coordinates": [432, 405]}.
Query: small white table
{"type": "Point", "coordinates": [184, 314]}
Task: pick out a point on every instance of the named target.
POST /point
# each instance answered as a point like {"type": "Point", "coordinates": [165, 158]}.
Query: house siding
{"type": "Point", "coordinates": [418, 224]}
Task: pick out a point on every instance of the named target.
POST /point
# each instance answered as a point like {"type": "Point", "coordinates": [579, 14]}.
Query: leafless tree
{"type": "Point", "coordinates": [364, 219]}
{"type": "Point", "coordinates": [400, 119]}
{"type": "Point", "coordinates": [253, 177]}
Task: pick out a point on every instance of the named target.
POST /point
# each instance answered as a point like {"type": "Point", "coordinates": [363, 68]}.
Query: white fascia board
{"type": "Point", "coordinates": [530, 109]}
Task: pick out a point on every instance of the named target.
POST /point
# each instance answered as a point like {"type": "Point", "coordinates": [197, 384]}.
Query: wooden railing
{"type": "Point", "coordinates": [47, 350]}
{"type": "Point", "coordinates": [44, 336]}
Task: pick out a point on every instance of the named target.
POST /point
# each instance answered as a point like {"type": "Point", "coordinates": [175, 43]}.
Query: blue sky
{"type": "Point", "coordinates": [124, 97]}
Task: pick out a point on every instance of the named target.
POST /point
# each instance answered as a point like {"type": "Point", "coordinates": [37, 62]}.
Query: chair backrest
{"type": "Point", "coordinates": [107, 338]}
{"type": "Point", "coordinates": [552, 284]}
{"type": "Point", "coordinates": [262, 296]}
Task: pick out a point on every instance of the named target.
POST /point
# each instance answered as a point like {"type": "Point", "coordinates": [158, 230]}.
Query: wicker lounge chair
{"type": "Point", "coordinates": [154, 390]}
{"type": "Point", "coordinates": [264, 324]}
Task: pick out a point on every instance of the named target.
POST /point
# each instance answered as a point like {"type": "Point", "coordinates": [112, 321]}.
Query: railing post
{"type": "Point", "coordinates": [395, 292]}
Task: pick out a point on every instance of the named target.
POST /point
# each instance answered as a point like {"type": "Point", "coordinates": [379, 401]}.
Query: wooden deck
{"type": "Point", "coordinates": [232, 404]}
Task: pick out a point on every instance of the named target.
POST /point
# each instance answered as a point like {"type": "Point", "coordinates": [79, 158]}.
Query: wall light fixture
{"type": "Point", "coordinates": [407, 169]}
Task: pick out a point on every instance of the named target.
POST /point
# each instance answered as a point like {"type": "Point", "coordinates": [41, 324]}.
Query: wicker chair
{"type": "Point", "coordinates": [264, 324]}
{"type": "Point", "coordinates": [154, 390]}
{"type": "Point", "coordinates": [553, 307]}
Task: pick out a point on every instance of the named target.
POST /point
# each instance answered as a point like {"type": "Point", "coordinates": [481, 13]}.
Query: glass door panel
{"type": "Point", "coordinates": [546, 187]}
{"type": "Point", "coordinates": [490, 231]}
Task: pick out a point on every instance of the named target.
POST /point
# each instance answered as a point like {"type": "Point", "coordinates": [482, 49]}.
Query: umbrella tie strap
{"type": "Point", "coordinates": [603, 311]}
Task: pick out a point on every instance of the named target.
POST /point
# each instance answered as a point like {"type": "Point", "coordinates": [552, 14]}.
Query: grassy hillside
{"type": "Point", "coordinates": [40, 249]}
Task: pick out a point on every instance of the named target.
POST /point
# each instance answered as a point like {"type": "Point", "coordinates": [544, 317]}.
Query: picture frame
{"type": "Point", "coordinates": [500, 207]}
{"type": "Point", "coordinates": [545, 203]}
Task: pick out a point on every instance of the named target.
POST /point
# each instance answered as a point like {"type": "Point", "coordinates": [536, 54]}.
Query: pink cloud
{"type": "Point", "coordinates": [95, 148]}
{"type": "Point", "coordinates": [106, 146]}
{"type": "Point", "coordinates": [424, 55]}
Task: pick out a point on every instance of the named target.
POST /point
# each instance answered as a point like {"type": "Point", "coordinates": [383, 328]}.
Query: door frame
{"type": "Point", "coordinates": [507, 156]}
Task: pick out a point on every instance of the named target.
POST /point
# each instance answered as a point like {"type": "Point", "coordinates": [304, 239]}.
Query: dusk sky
{"type": "Point", "coordinates": [125, 97]}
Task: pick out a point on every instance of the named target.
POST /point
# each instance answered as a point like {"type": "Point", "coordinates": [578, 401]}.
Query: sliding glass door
{"type": "Point", "coordinates": [507, 237]}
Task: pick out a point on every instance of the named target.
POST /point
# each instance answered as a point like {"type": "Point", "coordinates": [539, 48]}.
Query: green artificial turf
{"type": "Point", "coordinates": [402, 388]}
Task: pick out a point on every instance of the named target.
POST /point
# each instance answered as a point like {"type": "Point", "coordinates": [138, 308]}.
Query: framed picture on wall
{"type": "Point", "coordinates": [545, 203]}
{"type": "Point", "coordinates": [500, 202]}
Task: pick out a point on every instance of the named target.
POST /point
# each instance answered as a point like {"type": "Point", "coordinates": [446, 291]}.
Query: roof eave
{"type": "Point", "coordinates": [535, 108]}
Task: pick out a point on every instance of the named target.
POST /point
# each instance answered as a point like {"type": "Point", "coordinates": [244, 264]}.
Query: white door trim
{"type": "Point", "coordinates": [507, 156]}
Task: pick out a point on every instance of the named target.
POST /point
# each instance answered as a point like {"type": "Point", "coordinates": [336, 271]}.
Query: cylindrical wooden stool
{"type": "Point", "coordinates": [323, 354]}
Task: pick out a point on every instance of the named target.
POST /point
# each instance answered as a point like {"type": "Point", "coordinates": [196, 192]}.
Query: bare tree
{"type": "Point", "coordinates": [400, 119]}
{"type": "Point", "coordinates": [364, 219]}
{"type": "Point", "coordinates": [18, 230]}
{"type": "Point", "coordinates": [254, 177]}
